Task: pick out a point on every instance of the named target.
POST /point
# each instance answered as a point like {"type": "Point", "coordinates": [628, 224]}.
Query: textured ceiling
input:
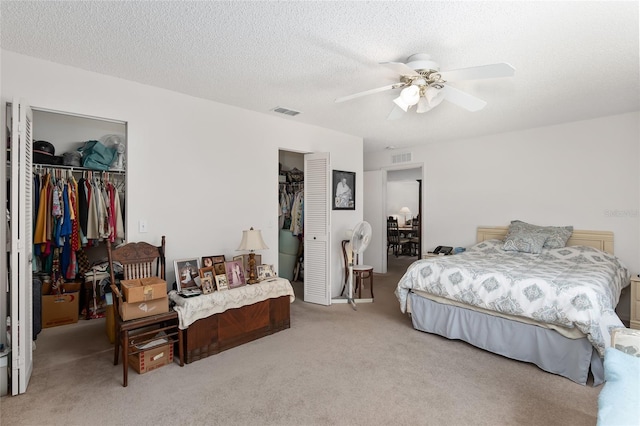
{"type": "Point", "coordinates": [574, 60]}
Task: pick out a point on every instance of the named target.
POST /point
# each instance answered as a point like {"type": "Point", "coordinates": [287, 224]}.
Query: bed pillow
{"type": "Point", "coordinates": [525, 241]}
{"type": "Point", "coordinates": [618, 399]}
{"type": "Point", "coordinates": [557, 235]}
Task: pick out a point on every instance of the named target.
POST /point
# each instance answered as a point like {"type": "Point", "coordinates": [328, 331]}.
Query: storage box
{"type": "Point", "coordinates": [71, 287]}
{"type": "Point", "coordinates": [152, 359]}
{"type": "Point", "coordinates": [144, 289]}
{"type": "Point", "coordinates": [60, 309]}
{"type": "Point", "coordinates": [135, 310]}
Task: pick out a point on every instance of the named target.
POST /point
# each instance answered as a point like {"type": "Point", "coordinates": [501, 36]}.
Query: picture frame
{"type": "Point", "coordinates": [240, 258]}
{"type": "Point", "coordinates": [207, 272]}
{"type": "Point", "coordinates": [344, 190]}
{"type": "Point", "coordinates": [221, 282]}
{"type": "Point", "coordinates": [235, 273]}
{"type": "Point", "coordinates": [211, 260]}
{"type": "Point", "coordinates": [265, 272]}
{"type": "Point", "coordinates": [207, 284]}
{"type": "Point", "coordinates": [244, 258]}
{"type": "Point", "coordinates": [187, 273]}
{"type": "Point", "coordinates": [219, 268]}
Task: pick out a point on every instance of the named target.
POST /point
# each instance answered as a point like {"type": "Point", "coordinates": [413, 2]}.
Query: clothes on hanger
{"type": "Point", "coordinates": [72, 214]}
{"type": "Point", "coordinates": [291, 207]}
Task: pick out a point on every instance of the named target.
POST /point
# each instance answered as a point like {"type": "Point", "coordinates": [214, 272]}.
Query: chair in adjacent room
{"type": "Point", "coordinates": [395, 241]}
{"type": "Point", "coordinates": [360, 272]}
{"type": "Point", "coordinates": [414, 241]}
{"type": "Point", "coordinates": [140, 260]}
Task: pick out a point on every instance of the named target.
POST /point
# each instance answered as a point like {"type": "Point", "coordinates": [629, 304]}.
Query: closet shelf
{"type": "Point", "coordinates": [76, 168]}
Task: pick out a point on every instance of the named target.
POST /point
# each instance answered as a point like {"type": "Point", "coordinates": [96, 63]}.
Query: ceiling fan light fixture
{"type": "Point", "coordinates": [422, 61]}
{"type": "Point", "coordinates": [433, 96]}
{"type": "Point", "coordinates": [410, 95]}
{"type": "Point", "coordinates": [401, 103]}
{"type": "Point", "coordinates": [423, 106]}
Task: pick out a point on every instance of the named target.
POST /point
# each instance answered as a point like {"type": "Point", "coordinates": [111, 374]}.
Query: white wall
{"type": "Point", "coordinates": [402, 194]}
{"type": "Point", "coordinates": [583, 174]}
{"type": "Point", "coordinates": [198, 171]}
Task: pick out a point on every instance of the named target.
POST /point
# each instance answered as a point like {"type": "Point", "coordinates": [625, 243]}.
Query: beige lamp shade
{"type": "Point", "coordinates": [404, 212]}
{"type": "Point", "coordinates": [252, 240]}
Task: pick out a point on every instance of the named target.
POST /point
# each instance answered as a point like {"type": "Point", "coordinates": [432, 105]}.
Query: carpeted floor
{"type": "Point", "coordinates": [334, 366]}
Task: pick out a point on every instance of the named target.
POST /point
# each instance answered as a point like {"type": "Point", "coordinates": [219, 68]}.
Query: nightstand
{"type": "Point", "coordinates": [635, 302]}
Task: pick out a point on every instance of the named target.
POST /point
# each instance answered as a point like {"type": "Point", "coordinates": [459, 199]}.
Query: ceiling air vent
{"type": "Point", "coordinates": [401, 158]}
{"type": "Point", "coordinates": [286, 111]}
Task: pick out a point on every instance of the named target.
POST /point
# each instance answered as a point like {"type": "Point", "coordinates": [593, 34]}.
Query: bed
{"type": "Point", "coordinates": [554, 308]}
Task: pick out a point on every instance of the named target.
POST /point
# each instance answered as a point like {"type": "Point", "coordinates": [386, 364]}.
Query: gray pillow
{"type": "Point", "coordinates": [556, 236]}
{"type": "Point", "coordinates": [559, 236]}
{"type": "Point", "coordinates": [525, 240]}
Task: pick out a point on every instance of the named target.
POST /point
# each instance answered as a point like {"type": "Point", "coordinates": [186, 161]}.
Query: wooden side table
{"type": "Point", "coordinates": [635, 302]}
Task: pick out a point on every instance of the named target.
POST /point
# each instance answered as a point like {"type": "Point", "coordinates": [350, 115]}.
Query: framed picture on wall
{"type": "Point", "coordinates": [344, 190]}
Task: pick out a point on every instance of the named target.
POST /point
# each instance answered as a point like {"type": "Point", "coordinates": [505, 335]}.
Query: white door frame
{"type": "Point", "coordinates": [387, 169]}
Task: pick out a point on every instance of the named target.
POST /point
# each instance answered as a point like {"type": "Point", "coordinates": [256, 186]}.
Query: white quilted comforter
{"type": "Point", "coordinates": [571, 287]}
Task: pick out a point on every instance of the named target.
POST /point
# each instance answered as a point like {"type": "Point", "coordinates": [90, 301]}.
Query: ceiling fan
{"type": "Point", "coordinates": [425, 86]}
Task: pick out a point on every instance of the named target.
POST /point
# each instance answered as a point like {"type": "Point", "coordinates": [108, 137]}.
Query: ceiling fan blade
{"type": "Point", "coordinates": [395, 113]}
{"type": "Point", "coordinates": [370, 92]}
{"type": "Point", "coordinates": [462, 99]}
{"type": "Point", "coordinates": [400, 68]}
{"type": "Point", "coordinates": [476, 73]}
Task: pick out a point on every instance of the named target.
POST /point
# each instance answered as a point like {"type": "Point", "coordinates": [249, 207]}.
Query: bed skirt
{"type": "Point", "coordinates": [546, 348]}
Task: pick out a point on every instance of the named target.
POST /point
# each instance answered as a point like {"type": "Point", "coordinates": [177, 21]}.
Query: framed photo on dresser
{"type": "Point", "coordinates": [207, 284]}
{"type": "Point", "coordinates": [211, 260]}
{"type": "Point", "coordinates": [235, 273]}
{"type": "Point", "coordinates": [187, 273]}
{"type": "Point", "coordinates": [221, 282]}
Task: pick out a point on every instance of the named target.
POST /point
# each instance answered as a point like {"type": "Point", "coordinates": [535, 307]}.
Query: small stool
{"type": "Point", "coordinates": [360, 273]}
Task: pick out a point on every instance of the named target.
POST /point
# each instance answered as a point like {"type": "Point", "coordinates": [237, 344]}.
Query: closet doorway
{"type": "Point", "coordinates": [37, 260]}
{"type": "Point", "coordinates": [290, 223]}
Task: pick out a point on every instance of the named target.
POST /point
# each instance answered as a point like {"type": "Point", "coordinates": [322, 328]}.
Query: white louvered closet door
{"type": "Point", "coordinates": [317, 288]}
{"type": "Point", "coordinates": [21, 247]}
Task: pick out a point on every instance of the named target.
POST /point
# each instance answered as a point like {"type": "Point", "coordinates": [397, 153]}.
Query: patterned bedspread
{"type": "Point", "coordinates": [571, 287]}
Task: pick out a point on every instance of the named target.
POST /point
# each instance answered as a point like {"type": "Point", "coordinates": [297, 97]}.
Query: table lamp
{"type": "Point", "coordinates": [252, 241]}
{"type": "Point", "coordinates": [405, 211]}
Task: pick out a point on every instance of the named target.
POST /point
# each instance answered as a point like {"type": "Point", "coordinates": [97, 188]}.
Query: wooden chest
{"type": "Point", "coordinates": [234, 327]}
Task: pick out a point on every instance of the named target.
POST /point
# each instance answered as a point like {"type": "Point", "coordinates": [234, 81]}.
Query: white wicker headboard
{"type": "Point", "coordinates": [602, 240]}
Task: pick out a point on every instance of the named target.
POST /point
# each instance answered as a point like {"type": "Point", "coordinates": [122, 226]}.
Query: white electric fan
{"type": "Point", "coordinates": [116, 142]}
{"type": "Point", "coordinates": [357, 245]}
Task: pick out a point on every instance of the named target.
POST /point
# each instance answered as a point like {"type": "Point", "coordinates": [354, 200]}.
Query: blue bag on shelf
{"type": "Point", "coordinates": [96, 156]}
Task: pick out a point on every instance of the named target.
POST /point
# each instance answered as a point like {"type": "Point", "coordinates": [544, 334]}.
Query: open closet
{"type": "Point", "coordinates": [60, 214]}
{"type": "Point", "coordinates": [291, 216]}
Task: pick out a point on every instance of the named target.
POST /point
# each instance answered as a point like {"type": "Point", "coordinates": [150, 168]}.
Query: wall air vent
{"type": "Point", "coordinates": [286, 111]}
{"type": "Point", "coordinates": [401, 158]}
